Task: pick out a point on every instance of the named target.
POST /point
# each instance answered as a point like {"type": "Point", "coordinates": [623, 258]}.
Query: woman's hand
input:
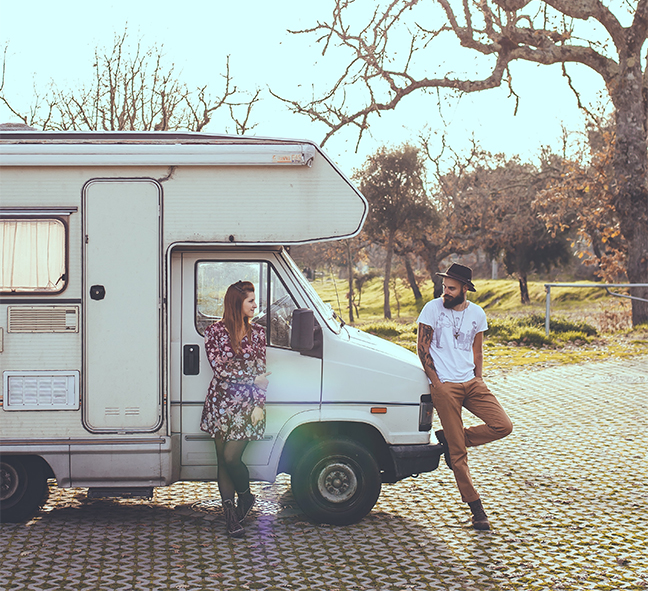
{"type": "Point", "coordinates": [262, 380]}
{"type": "Point", "coordinates": [256, 415]}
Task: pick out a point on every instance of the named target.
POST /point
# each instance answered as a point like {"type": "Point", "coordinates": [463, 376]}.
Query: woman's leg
{"type": "Point", "coordinates": [225, 484]}
{"type": "Point", "coordinates": [236, 469]}
{"type": "Point", "coordinates": [226, 488]}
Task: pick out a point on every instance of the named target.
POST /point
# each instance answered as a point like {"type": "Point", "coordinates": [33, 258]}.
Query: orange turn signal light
{"type": "Point", "coordinates": [378, 410]}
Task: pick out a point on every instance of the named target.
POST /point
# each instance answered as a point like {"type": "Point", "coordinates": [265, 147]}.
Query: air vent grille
{"type": "Point", "coordinates": [43, 319]}
{"type": "Point", "coordinates": [41, 390]}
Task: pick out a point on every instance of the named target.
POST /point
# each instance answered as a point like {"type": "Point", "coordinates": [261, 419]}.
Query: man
{"type": "Point", "coordinates": [450, 339]}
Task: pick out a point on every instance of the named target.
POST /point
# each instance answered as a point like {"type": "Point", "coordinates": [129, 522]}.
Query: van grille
{"type": "Point", "coordinates": [43, 319]}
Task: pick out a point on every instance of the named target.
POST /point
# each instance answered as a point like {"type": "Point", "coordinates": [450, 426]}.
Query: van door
{"type": "Point", "coordinates": [121, 304]}
{"type": "Point", "coordinates": [295, 383]}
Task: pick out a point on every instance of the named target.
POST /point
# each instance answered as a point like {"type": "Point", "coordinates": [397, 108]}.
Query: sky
{"type": "Point", "coordinates": [49, 41]}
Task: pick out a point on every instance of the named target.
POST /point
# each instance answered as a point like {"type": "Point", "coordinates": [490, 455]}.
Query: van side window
{"type": "Point", "coordinates": [33, 256]}
{"type": "Point", "coordinates": [212, 281]}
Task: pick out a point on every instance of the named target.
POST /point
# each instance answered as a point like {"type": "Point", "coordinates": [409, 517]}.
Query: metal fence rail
{"type": "Point", "coordinates": [605, 286]}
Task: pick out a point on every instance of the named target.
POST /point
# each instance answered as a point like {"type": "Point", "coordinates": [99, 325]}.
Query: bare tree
{"type": "Point", "coordinates": [381, 70]}
{"type": "Point", "coordinates": [133, 90]}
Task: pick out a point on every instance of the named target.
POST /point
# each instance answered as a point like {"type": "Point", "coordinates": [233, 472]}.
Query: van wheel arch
{"type": "Point", "coordinates": [306, 434]}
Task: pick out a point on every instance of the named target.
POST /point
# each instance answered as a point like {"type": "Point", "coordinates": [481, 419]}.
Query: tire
{"type": "Point", "coordinates": [23, 488]}
{"type": "Point", "coordinates": [336, 481]}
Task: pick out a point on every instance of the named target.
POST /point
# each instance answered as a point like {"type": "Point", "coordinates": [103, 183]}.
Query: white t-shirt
{"type": "Point", "coordinates": [453, 355]}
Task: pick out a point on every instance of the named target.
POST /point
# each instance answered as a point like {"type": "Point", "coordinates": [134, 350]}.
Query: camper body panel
{"type": "Point", "coordinates": [271, 205]}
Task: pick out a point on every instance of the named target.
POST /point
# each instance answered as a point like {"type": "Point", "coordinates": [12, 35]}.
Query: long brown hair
{"type": "Point", "coordinates": [237, 325]}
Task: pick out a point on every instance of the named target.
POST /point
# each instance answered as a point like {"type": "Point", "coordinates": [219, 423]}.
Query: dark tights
{"type": "Point", "coordinates": [233, 474]}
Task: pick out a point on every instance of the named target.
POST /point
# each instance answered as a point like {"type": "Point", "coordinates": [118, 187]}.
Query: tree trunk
{"type": "Point", "coordinates": [637, 270]}
{"type": "Point", "coordinates": [630, 166]}
{"type": "Point", "coordinates": [411, 278]}
{"type": "Point", "coordinates": [438, 286]}
{"type": "Point", "coordinates": [431, 256]}
{"type": "Point", "coordinates": [396, 296]}
{"type": "Point", "coordinates": [524, 289]}
{"type": "Point", "coordinates": [350, 269]}
{"type": "Point", "coordinates": [388, 264]}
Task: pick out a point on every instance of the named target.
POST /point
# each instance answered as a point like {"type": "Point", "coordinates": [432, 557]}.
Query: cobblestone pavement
{"type": "Point", "coordinates": [567, 494]}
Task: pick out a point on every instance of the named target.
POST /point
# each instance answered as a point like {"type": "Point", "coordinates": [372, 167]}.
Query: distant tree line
{"type": "Point", "coordinates": [531, 217]}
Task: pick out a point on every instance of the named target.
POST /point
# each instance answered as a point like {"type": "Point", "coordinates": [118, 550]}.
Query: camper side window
{"type": "Point", "coordinates": [32, 255]}
{"type": "Point", "coordinates": [212, 280]}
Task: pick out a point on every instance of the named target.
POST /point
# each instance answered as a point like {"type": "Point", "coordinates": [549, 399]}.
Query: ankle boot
{"type": "Point", "coordinates": [234, 527]}
{"type": "Point", "coordinates": [245, 503]}
{"type": "Point", "coordinates": [479, 517]}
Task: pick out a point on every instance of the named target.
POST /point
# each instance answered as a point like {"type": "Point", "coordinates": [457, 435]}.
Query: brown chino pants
{"type": "Point", "coordinates": [448, 400]}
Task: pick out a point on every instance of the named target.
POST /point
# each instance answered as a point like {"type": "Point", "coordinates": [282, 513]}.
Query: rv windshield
{"type": "Point", "coordinates": [334, 322]}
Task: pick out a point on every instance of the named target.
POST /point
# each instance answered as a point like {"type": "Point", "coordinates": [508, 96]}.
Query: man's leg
{"type": "Point", "coordinates": [481, 402]}
{"type": "Point", "coordinates": [448, 400]}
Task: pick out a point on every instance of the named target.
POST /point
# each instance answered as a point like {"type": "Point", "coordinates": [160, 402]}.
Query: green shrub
{"type": "Point", "coordinates": [502, 328]}
{"type": "Point", "coordinates": [388, 329]}
{"type": "Point", "coordinates": [573, 336]}
{"type": "Point", "coordinates": [561, 325]}
{"type": "Point", "coordinates": [531, 336]}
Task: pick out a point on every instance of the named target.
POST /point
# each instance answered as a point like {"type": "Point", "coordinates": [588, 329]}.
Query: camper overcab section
{"type": "Point", "coordinates": [116, 250]}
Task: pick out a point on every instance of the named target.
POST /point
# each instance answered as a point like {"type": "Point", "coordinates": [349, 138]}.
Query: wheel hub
{"type": "Point", "coordinates": [337, 483]}
{"type": "Point", "coordinates": [8, 481]}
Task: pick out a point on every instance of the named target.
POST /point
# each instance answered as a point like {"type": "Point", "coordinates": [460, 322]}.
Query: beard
{"type": "Point", "coordinates": [449, 302]}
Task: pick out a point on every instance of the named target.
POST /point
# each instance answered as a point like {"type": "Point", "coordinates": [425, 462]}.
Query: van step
{"type": "Point", "coordinates": [117, 491]}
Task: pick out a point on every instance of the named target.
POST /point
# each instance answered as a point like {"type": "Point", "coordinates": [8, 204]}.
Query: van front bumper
{"type": "Point", "coordinates": [409, 460]}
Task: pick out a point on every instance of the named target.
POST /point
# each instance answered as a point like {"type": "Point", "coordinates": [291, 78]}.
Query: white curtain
{"type": "Point", "coordinates": [32, 256]}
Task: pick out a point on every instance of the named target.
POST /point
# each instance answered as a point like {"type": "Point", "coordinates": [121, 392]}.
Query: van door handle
{"type": "Point", "coordinates": [191, 360]}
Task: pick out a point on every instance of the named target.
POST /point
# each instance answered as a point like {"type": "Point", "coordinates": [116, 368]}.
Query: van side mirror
{"type": "Point", "coordinates": [302, 331]}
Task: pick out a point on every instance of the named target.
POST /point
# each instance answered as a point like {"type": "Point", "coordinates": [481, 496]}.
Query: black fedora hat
{"type": "Point", "coordinates": [460, 273]}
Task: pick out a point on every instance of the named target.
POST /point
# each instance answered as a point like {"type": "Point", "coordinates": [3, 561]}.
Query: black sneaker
{"type": "Point", "coordinates": [234, 527]}
{"type": "Point", "coordinates": [244, 506]}
{"type": "Point", "coordinates": [446, 453]}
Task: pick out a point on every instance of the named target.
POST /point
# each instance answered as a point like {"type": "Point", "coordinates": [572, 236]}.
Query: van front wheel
{"type": "Point", "coordinates": [23, 488]}
{"type": "Point", "coordinates": [336, 481]}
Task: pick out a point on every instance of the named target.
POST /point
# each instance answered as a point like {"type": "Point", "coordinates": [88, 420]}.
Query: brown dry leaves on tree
{"type": "Point", "coordinates": [581, 198]}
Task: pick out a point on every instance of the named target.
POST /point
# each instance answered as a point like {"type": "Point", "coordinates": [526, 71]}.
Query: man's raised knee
{"type": "Point", "coordinates": [505, 428]}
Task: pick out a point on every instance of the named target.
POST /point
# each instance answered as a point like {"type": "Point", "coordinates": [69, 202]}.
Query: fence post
{"type": "Point", "coordinates": [548, 308]}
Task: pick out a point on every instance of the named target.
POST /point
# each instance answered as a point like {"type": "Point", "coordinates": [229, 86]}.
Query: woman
{"type": "Point", "coordinates": [234, 408]}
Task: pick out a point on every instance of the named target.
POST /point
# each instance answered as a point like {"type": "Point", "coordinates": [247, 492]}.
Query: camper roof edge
{"type": "Point", "coordinates": [66, 154]}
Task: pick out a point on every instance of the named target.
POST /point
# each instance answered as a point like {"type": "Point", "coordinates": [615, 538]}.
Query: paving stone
{"type": "Point", "coordinates": [567, 494]}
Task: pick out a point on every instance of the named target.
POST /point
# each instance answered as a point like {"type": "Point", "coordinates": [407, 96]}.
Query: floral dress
{"type": "Point", "coordinates": [232, 395]}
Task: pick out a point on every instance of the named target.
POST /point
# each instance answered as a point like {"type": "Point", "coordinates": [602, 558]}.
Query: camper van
{"type": "Point", "coordinates": [116, 251]}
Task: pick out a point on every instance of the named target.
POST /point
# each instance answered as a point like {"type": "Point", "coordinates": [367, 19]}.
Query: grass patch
{"type": "Point", "coordinates": [530, 330]}
{"type": "Point", "coordinates": [389, 329]}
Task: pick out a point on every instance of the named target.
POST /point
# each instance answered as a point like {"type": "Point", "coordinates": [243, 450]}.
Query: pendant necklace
{"type": "Point", "coordinates": [456, 330]}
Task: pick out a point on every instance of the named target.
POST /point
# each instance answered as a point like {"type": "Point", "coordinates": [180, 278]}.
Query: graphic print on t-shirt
{"type": "Point", "coordinates": [462, 340]}
{"type": "Point", "coordinates": [442, 322]}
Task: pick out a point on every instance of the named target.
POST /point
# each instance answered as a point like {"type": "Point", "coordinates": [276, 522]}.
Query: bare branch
{"type": "Point", "coordinates": [134, 90]}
